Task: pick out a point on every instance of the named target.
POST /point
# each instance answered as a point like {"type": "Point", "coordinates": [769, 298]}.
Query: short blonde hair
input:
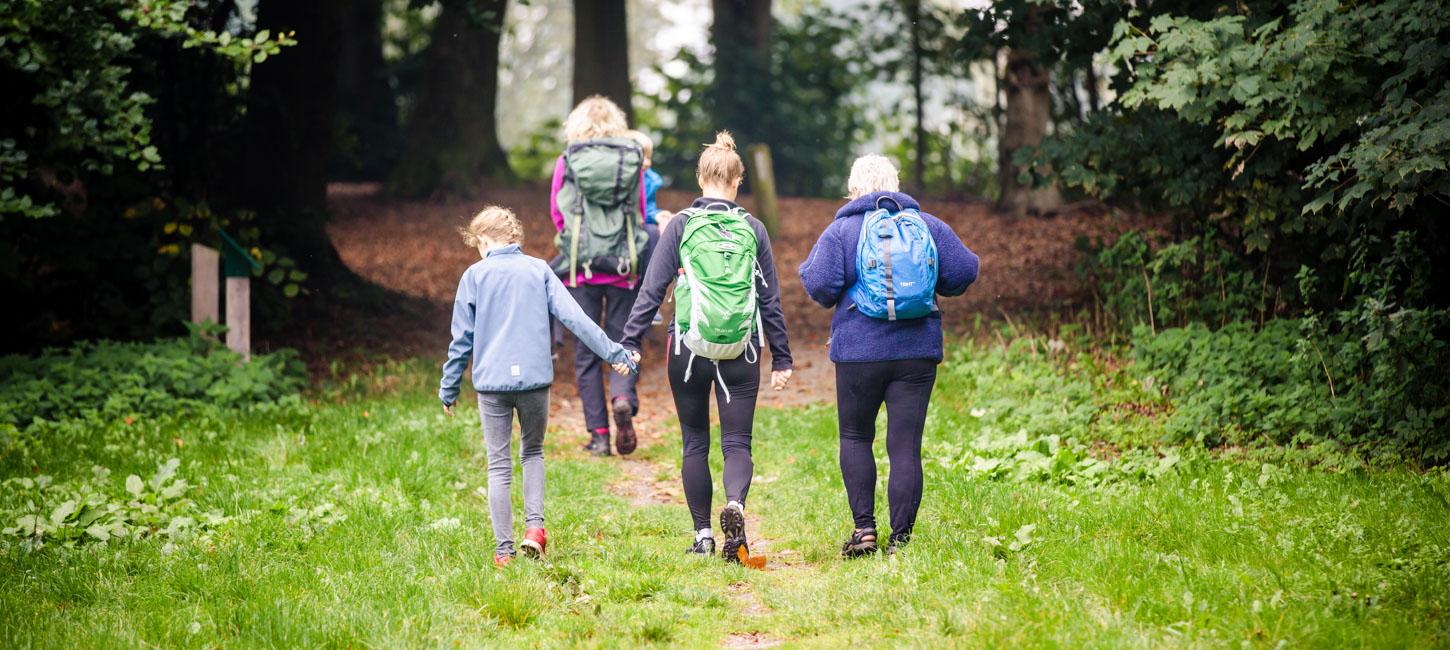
{"type": "Point", "coordinates": [645, 143]}
{"type": "Point", "coordinates": [595, 117]}
{"type": "Point", "coordinates": [719, 163]}
{"type": "Point", "coordinates": [494, 222]}
{"type": "Point", "coordinates": [873, 173]}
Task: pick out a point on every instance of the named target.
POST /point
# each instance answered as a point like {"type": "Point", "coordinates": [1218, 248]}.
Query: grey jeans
{"type": "Point", "coordinates": [496, 410]}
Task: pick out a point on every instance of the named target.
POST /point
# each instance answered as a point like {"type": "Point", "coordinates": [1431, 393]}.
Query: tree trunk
{"type": "Point", "coordinates": [1028, 112]}
{"type": "Point", "coordinates": [601, 52]}
{"type": "Point", "coordinates": [740, 38]}
{"type": "Point", "coordinates": [366, 112]}
{"type": "Point", "coordinates": [452, 139]}
{"type": "Point", "coordinates": [742, 24]}
{"type": "Point", "coordinates": [285, 141]}
{"type": "Point", "coordinates": [287, 135]}
{"type": "Point", "coordinates": [913, 14]}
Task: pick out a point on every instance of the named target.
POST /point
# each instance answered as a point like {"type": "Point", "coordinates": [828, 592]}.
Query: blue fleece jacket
{"type": "Point", "coordinates": [501, 321]}
{"type": "Point", "coordinates": [830, 271]}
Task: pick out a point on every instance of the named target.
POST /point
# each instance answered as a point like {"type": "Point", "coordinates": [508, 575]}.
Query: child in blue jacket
{"type": "Point", "coordinates": [501, 323]}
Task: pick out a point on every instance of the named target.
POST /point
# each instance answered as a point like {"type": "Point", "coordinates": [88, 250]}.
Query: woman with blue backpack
{"type": "Point", "coordinates": [727, 306]}
{"type": "Point", "coordinates": [881, 264]}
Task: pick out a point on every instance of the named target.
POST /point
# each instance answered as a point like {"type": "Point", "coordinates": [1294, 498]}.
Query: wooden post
{"type": "Point", "coordinates": [205, 284]}
{"type": "Point", "coordinates": [239, 266]}
{"type": "Point", "coordinates": [239, 315]}
{"type": "Point", "coordinates": [762, 185]}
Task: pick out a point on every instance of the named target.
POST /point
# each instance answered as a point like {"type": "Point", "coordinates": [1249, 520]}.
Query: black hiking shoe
{"type": "Point", "coordinates": [732, 524]}
{"type": "Point", "coordinates": [598, 444]}
{"type": "Point", "coordinates": [625, 440]}
{"type": "Point", "coordinates": [898, 542]}
{"type": "Point", "coordinates": [862, 542]}
{"type": "Point", "coordinates": [702, 546]}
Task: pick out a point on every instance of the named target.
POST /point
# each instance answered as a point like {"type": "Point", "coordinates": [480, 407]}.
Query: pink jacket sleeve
{"type": "Point", "coordinates": [558, 184]}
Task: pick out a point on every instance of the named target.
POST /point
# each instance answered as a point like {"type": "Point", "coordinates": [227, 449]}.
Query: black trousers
{"type": "Point", "coordinates": [612, 304]}
{"type": "Point", "coordinates": [737, 419]}
{"type": "Point", "coordinates": [905, 388]}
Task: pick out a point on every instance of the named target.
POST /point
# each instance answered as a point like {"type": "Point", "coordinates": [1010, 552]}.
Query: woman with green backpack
{"type": "Point", "coordinates": [881, 264]}
{"type": "Point", "coordinates": [727, 310]}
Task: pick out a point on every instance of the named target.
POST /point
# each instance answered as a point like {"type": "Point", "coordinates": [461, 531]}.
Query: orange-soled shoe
{"type": "Point", "coordinates": [535, 541]}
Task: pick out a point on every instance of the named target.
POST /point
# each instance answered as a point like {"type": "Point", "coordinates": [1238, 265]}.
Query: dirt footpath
{"type": "Point", "coordinates": [413, 247]}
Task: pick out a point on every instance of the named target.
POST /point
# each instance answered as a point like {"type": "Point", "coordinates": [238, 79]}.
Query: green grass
{"type": "Point", "coordinates": [342, 535]}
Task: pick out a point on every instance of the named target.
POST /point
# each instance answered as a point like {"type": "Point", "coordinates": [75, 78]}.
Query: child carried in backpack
{"type": "Point", "coordinates": [501, 324]}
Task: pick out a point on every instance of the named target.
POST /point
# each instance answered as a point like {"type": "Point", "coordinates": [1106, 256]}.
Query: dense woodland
{"type": "Point", "coordinates": [1299, 148]}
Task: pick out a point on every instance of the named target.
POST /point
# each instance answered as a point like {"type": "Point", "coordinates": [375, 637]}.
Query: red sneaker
{"type": "Point", "coordinates": [501, 561]}
{"type": "Point", "coordinates": [535, 540]}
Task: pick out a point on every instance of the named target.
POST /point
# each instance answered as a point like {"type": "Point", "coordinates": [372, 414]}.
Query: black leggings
{"type": "Point", "coordinates": [737, 418]}
{"type": "Point", "coordinates": [905, 388]}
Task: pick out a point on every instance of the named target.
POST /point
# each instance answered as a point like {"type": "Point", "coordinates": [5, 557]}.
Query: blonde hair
{"type": "Point", "coordinates": [873, 173]}
{"type": "Point", "coordinates": [595, 117]}
{"type": "Point", "coordinates": [645, 143]}
{"type": "Point", "coordinates": [494, 222]}
{"type": "Point", "coordinates": [719, 164]}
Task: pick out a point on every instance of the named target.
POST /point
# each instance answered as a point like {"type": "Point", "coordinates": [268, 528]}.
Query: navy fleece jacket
{"type": "Point", "coordinates": [830, 270]}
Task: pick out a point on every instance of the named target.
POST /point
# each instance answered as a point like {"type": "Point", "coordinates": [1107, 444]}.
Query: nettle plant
{"type": "Point", "coordinates": [93, 510]}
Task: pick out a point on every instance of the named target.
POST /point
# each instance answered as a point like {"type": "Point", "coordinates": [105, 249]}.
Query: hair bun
{"type": "Point", "coordinates": [724, 140]}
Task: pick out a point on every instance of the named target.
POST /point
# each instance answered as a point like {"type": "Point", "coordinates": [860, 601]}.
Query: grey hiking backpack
{"type": "Point", "coordinates": [600, 202]}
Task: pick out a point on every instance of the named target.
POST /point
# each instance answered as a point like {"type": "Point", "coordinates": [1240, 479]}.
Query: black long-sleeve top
{"type": "Point", "coordinates": [664, 267]}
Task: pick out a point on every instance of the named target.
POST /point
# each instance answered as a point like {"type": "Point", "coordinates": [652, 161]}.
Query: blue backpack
{"type": "Point", "coordinates": [896, 266]}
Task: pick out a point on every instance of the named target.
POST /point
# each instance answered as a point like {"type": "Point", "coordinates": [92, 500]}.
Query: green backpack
{"type": "Point", "coordinates": [600, 202]}
{"type": "Point", "coordinates": [715, 297]}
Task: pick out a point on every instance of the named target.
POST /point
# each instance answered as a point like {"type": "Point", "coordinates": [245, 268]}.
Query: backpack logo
{"type": "Point", "coordinates": [896, 265]}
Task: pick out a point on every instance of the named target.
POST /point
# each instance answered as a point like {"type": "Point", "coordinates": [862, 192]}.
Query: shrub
{"type": "Point", "coordinates": [117, 380]}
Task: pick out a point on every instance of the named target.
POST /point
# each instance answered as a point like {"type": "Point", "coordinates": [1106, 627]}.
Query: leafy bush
{"type": "Point", "coordinates": [1293, 382]}
{"type": "Point", "coordinates": [117, 380]}
{"type": "Point", "coordinates": [1038, 411]}
{"type": "Point", "coordinates": [92, 510]}
{"type": "Point", "coordinates": [1195, 280]}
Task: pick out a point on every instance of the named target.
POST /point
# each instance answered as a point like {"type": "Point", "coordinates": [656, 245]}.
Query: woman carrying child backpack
{"type": "Point", "coordinates": [881, 264]}
{"type": "Point", "coordinates": [597, 202]}
{"type": "Point", "coordinates": [727, 308]}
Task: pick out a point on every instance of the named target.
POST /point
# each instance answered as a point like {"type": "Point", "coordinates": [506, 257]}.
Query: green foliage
{"type": "Point", "coordinates": [98, 509]}
{"type": "Point", "coordinates": [1194, 280]}
{"type": "Point", "coordinates": [108, 381]}
{"type": "Point", "coordinates": [84, 117]}
{"type": "Point", "coordinates": [800, 102]}
{"type": "Point", "coordinates": [1286, 127]}
{"type": "Point", "coordinates": [1360, 87]}
{"type": "Point", "coordinates": [1295, 383]}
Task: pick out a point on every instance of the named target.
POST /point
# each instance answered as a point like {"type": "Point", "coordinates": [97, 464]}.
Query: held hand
{"type": "Point", "coordinates": [448, 410]}
{"type": "Point", "coordinates": [627, 368]}
{"type": "Point", "coordinates": [779, 378]}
